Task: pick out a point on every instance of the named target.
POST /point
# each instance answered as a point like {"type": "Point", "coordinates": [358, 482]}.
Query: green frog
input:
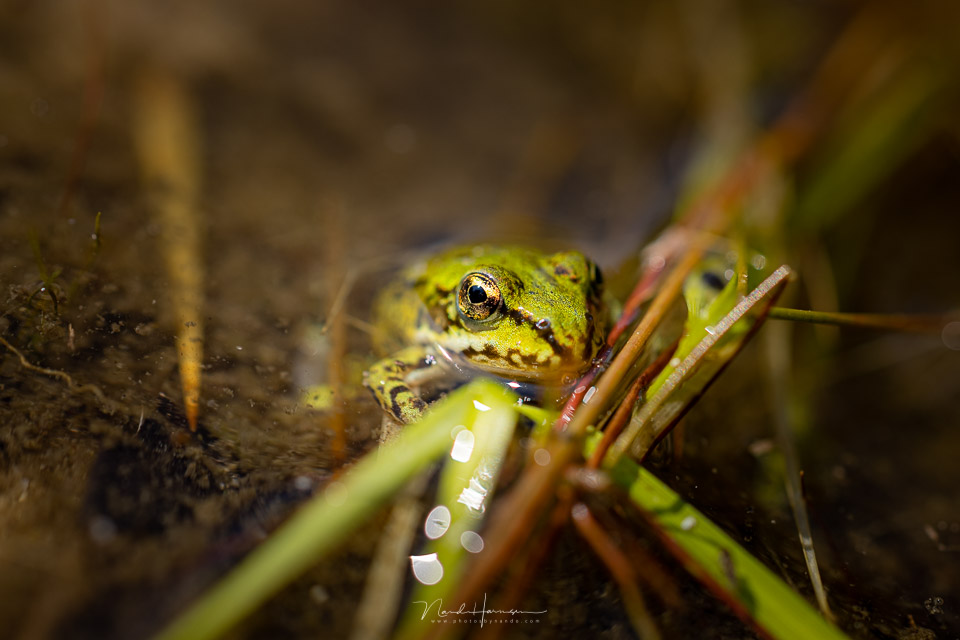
{"type": "Point", "coordinates": [512, 312]}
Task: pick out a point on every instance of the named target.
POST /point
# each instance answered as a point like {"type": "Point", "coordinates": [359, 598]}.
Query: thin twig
{"type": "Point", "coordinates": [655, 258]}
{"type": "Point", "coordinates": [59, 375]}
{"type": "Point", "coordinates": [619, 567]}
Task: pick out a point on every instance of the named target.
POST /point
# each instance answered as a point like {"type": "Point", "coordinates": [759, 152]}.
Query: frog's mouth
{"type": "Point", "coordinates": [559, 375]}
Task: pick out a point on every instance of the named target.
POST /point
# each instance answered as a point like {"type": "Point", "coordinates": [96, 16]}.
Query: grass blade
{"type": "Point", "coordinates": [725, 567]}
{"type": "Point", "coordinates": [466, 489]}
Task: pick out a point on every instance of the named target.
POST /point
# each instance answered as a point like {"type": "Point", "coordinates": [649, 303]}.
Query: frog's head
{"type": "Point", "coordinates": [514, 311]}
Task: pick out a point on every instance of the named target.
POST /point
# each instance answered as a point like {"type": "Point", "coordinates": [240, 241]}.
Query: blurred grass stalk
{"type": "Point", "coordinates": [167, 142]}
{"type": "Point", "coordinates": [870, 144]}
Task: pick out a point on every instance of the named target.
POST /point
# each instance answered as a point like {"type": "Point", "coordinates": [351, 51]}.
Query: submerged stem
{"type": "Point", "coordinates": [778, 363]}
{"type": "Point", "coordinates": [893, 322]}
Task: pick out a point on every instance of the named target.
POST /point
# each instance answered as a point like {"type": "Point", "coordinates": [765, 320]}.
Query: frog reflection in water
{"type": "Point", "coordinates": [512, 312]}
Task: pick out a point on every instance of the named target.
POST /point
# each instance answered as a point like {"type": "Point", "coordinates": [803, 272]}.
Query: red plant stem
{"type": "Point", "coordinates": [640, 294]}
{"type": "Point", "coordinates": [542, 545]}
{"type": "Point", "coordinates": [588, 413]}
{"type": "Point", "coordinates": [616, 424]}
{"type": "Point", "coordinates": [622, 415]}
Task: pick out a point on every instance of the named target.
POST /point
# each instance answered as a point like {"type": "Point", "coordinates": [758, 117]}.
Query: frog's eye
{"type": "Point", "coordinates": [479, 297]}
{"type": "Point", "coordinates": [713, 280]}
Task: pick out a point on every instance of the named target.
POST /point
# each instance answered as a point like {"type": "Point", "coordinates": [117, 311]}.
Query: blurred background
{"type": "Point", "coordinates": [343, 137]}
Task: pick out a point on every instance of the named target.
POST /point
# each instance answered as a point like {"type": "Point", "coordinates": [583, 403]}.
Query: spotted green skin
{"type": "Point", "coordinates": [552, 321]}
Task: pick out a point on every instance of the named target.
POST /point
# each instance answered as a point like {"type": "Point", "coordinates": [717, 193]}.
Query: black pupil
{"type": "Point", "coordinates": [713, 281]}
{"type": "Point", "coordinates": [477, 294]}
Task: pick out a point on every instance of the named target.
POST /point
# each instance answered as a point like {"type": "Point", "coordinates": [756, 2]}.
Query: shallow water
{"type": "Point", "coordinates": [428, 126]}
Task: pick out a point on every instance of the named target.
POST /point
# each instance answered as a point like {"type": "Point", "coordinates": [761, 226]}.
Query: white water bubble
{"type": "Point", "coordinates": [463, 446]}
{"type": "Point", "coordinates": [541, 457]}
{"type": "Point", "coordinates": [951, 336]}
{"type": "Point", "coordinates": [471, 541]}
{"type": "Point", "coordinates": [427, 569]}
{"type": "Point", "coordinates": [437, 522]}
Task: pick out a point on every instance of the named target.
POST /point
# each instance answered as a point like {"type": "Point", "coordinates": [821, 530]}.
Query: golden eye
{"type": "Point", "coordinates": [479, 297]}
